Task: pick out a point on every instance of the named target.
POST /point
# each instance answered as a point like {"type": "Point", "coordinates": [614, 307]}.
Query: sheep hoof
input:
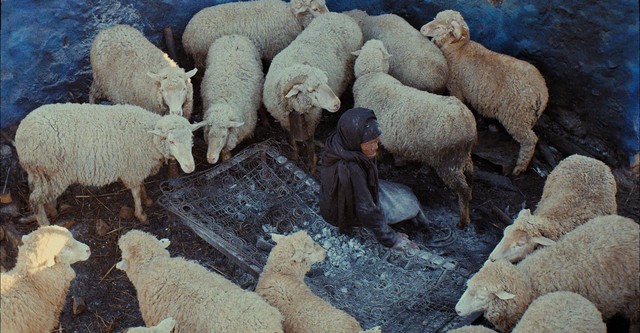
{"type": "Point", "coordinates": [517, 170]}
{"type": "Point", "coordinates": [462, 225]}
{"type": "Point", "coordinates": [142, 218]}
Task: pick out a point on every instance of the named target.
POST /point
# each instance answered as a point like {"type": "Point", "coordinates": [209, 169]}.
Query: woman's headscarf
{"type": "Point", "coordinates": [343, 154]}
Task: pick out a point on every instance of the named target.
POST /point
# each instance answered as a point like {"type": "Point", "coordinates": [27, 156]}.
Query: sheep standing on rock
{"type": "Point", "coordinates": [578, 189]}
{"type": "Point", "coordinates": [199, 300]}
{"type": "Point", "coordinates": [34, 291]}
{"type": "Point", "coordinates": [231, 94]}
{"type": "Point", "coordinates": [561, 312]}
{"type": "Point", "coordinates": [128, 69]}
{"type": "Point", "coordinates": [439, 131]}
{"type": "Point", "coordinates": [598, 260]}
{"type": "Point", "coordinates": [415, 62]}
{"type": "Point", "coordinates": [270, 24]}
{"type": "Point", "coordinates": [282, 285]}
{"type": "Point", "coordinates": [310, 75]}
{"type": "Point", "coordinates": [95, 145]}
{"type": "Point", "coordinates": [496, 85]}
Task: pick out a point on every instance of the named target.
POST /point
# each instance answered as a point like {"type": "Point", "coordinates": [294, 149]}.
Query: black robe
{"type": "Point", "coordinates": [349, 180]}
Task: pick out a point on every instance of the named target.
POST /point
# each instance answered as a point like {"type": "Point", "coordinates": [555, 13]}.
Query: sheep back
{"type": "Point", "coordinates": [415, 61]}
{"type": "Point", "coordinates": [121, 58]}
{"type": "Point", "coordinates": [561, 312]}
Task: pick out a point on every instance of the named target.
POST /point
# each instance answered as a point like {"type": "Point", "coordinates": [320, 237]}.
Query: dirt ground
{"type": "Point", "coordinates": [92, 214]}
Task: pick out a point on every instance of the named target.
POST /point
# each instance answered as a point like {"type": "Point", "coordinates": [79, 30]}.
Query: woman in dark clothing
{"type": "Point", "coordinates": [349, 184]}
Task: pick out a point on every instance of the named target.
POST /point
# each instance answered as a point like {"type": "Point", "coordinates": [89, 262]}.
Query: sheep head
{"type": "Point", "coordinates": [306, 91]}
{"type": "Point", "coordinates": [174, 139]}
{"type": "Point", "coordinates": [219, 131]}
{"type": "Point", "coordinates": [165, 326]}
{"type": "Point", "coordinates": [50, 245]}
{"type": "Point", "coordinates": [138, 248]}
{"type": "Point", "coordinates": [520, 238]}
{"type": "Point", "coordinates": [306, 10]}
{"type": "Point", "coordinates": [499, 290]}
{"type": "Point", "coordinates": [372, 58]}
{"type": "Point", "coordinates": [174, 87]}
{"type": "Point", "coordinates": [448, 27]}
{"type": "Point", "coordinates": [296, 252]}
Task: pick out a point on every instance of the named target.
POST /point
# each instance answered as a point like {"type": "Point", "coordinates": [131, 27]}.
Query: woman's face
{"type": "Point", "coordinates": [370, 148]}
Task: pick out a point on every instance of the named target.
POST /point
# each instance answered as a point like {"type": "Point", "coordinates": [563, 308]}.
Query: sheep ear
{"type": "Point", "coordinates": [154, 76]}
{"type": "Point", "coordinates": [292, 92]}
{"type": "Point", "coordinates": [457, 30]}
{"type": "Point", "coordinates": [356, 53]}
{"type": "Point", "coordinates": [277, 238]}
{"type": "Point", "coordinates": [301, 10]}
{"type": "Point", "coordinates": [157, 132]}
{"type": "Point", "coordinates": [191, 73]}
{"type": "Point", "coordinates": [503, 295]}
{"type": "Point", "coordinates": [544, 241]}
{"type": "Point", "coordinates": [122, 265]}
{"type": "Point", "coordinates": [165, 242]}
{"type": "Point", "coordinates": [234, 123]}
{"type": "Point", "coordinates": [197, 125]}
{"type": "Point", "coordinates": [50, 262]}
{"type": "Point", "coordinates": [386, 56]}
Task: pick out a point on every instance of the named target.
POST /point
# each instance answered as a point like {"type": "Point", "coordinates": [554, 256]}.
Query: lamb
{"type": "Point", "coordinates": [128, 69]}
{"type": "Point", "coordinates": [598, 260]}
{"type": "Point", "coordinates": [561, 312]}
{"type": "Point", "coordinates": [495, 85]}
{"type": "Point", "coordinates": [439, 131]}
{"type": "Point", "coordinates": [231, 94]}
{"type": "Point", "coordinates": [34, 291]}
{"type": "Point", "coordinates": [416, 62]}
{"type": "Point", "coordinates": [95, 145]}
{"type": "Point", "coordinates": [199, 300]}
{"type": "Point", "coordinates": [270, 24]}
{"type": "Point", "coordinates": [311, 74]}
{"type": "Point", "coordinates": [165, 326]}
{"type": "Point", "coordinates": [578, 189]}
{"type": "Point", "coordinates": [281, 284]}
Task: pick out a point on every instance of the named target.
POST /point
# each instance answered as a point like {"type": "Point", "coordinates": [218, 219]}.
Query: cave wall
{"type": "Point", "coordinates": [586, 50]}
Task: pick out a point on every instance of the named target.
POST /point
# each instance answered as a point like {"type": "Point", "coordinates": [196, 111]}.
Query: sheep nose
{"type": "Point", "coordinates": [212, 160]}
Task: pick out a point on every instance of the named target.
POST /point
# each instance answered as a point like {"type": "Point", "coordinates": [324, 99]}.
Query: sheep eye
{"type": "Point", "coordinates": [172, 142]}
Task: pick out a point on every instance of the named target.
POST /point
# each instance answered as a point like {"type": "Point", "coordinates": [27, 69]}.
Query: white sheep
{"type": "Point", "coordinates": [231, 94]}
{"type": "Point", "coordinates": [561, 312]}
{"type": "Point", "coordinates": [270, 24]}
{"type": "Point", "coordinates": [578, 189]}
{"type": "Point", "coordinates": [416, 61]}
{"type": "Point", "coordinates": [310, 75]}
{"type": "Point", "coordinates": [165, 326]}
{"type": "Point", "coordinates": [34, 291]}
{"type": "Point", "coordinates": [199, 300]}
{"type": "Point", "coordinates": [95, 145]}
{"type": "Point", "coordinates": [496, 85]}
{"type": "Point", "coordinates": [282, 285]}
{"type": "Point", "coordinates": [598, 260]}
{"type": "Point", "coordinates": [439, 131]}
{"type": "Point", "coordinates": [128, 69]}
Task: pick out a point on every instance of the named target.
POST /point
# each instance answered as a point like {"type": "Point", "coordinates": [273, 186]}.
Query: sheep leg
{"type": "Point", "coordinates": [294, 148]}
{"type": "Point", "coordinates": [93, 93]}
{"type": "Point", "coordinates": [143, 194]}
{"type": "Point", "coordinates": [50, 208]}
{"type": "Point", "coordinates": [264, 116]}
{"type": "Point", "coordinates": [137, 203]}
{"type": "Point", "coordinates": [527, 140]}
{"type": "Point", "coordinates": [311, 153]}
{"type": "Point", "coordinates": [454, 178]}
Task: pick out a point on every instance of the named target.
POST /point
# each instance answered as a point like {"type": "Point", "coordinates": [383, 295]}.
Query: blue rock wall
{"type": "Point", "coordinates": [587, 51]}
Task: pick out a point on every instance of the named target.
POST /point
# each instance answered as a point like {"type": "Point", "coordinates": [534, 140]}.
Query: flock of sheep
{"type": "Point", "coordinates": [586, 272]}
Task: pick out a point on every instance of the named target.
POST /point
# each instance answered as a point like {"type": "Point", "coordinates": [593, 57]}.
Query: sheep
{"type": "Point", "coordinates": [231, 94]}
{"type": "Point", "coordinates": [495, 85]}
{"type": "Point", "coordinates": [416, 63]}
{"type": "Point", "coordinates": [578, 189]}
{"type": "Point", "coordinates": [34, 291]}
{"type": "Point", "coordinates": [95, 145]}
{"type": "Point", "coordinates": [128, 69]}
{"type": "Point", "coordinates": [439, 131]}
{"type": "Point", "coordinates": [561, 312]}
{"type": "Point", "coordinates": [199, 300]}
{"type": "Point", "coordinates": [270, 24]}
{"type": "Point", "coordinates": [165, 326]}
{"type": "Point", "coordinates": [281, 284]}
{"type": "Point", "coordinates": [598, 260]}
{"type": "Point", "coordinates": [472, 329]}
{"type": "Point", "coordinates": [310, 75]}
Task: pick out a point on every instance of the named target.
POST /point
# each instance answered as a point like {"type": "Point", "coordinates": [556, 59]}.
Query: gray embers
{"type": "Point", "coordinates": [236, 205]}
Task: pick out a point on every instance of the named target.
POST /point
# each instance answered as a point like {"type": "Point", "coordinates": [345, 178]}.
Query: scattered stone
{"type": "Point", "coordinates": [79, 306]}
{"type": "Point", "coordinates": [102, 228]}
{"type": "Point", "coordinates": [126, 212]}
{"type": "Point", "coordinates": [68, 223]}
{"type": "Point", "coordinates": [65, 208]}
